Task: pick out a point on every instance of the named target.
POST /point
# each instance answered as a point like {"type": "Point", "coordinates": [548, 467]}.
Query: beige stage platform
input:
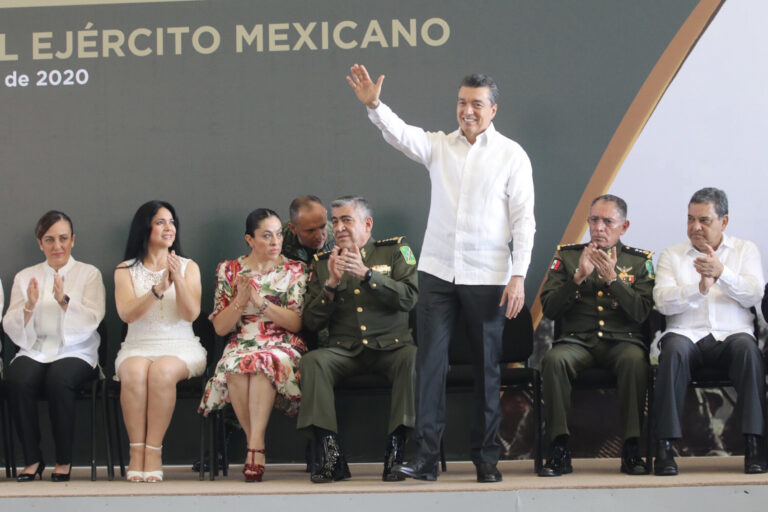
{"type": "Point", "coordinates": [460, 477]}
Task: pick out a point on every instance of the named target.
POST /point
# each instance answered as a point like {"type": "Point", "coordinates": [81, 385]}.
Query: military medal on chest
{"type": "Point", "coordinates": [624, 274]}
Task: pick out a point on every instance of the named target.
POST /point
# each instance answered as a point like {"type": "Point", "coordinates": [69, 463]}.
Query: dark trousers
{"type": "Point", "coordinates": [437, 310]}
{"type": "Point", "coordinates": [321, 369]}
{"type": "Point", "coordinates": [29, 381]}
{"type": "Point", "coordinates": [679, 356]}
{"type": "Point", "coordinates": [561, 365]}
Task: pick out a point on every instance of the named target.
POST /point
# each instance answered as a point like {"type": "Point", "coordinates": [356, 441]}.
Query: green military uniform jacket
{"type": "Point", "coordinates": [294, 250]}
{"type": "Point", "coordinates": [372, 314]}
{"type": "Point", "coordinates": [593, 308]}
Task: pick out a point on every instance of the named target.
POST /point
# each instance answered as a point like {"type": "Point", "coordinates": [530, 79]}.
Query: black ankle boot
{"type": "Point", "coordinates": [334, 466]}
{"type": "Point", "coordinates": [665, 464]}
{"type": "Point", "coordinates": [394, 455]}
{"type": "Point", "coordinates": [754, 454]}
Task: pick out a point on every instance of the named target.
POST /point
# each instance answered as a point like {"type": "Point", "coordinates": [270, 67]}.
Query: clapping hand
{"type": "Point", "coordinates": [586, 267]}
{"type": "Point", "coordinates": [174, 267]}
{"type": "Point", "coordinates": [335, 266]}
{"type": "Point", "coordinates": [242, 291]}
{"type": "Point", "coordinates": [33, 293]}
{"type": "Point", "coordinates": [709, 267]}
{"type": "Point", "coordinates": [352, 263]}
{"type": "Point", "coordinates": [604, 263]}
{"type": "Point", "coordinates": [58, 287]}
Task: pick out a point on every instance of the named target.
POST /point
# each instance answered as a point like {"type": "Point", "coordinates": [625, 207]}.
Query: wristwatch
{"type": "Point", "coordinates": [368, 275]}
{"type": "Point", "coordinates": [64, 301]}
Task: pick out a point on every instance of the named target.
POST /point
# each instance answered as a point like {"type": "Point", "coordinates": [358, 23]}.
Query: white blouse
{"type": "Point", "coordinates": [52, 333]}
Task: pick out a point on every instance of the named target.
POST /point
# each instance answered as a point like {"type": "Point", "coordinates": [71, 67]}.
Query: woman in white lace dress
{"type": "Point", "coordinates": [157, 293]}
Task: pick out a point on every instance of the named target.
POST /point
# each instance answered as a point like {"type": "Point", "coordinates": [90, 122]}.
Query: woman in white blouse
{"type": "Point", "coordinates": [157, 293]}
{"type": "Point", "coordinates": [56, 307]}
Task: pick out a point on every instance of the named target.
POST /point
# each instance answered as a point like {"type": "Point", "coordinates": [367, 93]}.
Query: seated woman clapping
{"type": "Point", "coordinates": [56, 307]}
{"type": "Point", "coordinates": [260, 297]}
{"type": "Point", "coordinates": [157, 292]}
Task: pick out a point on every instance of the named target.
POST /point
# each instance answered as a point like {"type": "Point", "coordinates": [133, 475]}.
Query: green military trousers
{"type": "Point", "coordinates": [561, 365]}
{"type": "Point", "coordinates": [320, 370]}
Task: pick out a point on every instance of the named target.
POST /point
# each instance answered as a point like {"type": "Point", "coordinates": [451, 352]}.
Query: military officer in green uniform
{"type": "Point", "coordinates": [362, 290]}
{"type": "Point", "coordinates": [308, 231]}
{"type": "Point", "coordinates": [600, 293]}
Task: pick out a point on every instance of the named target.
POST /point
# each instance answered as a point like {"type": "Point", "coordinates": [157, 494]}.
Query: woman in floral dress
{"type": "Point", "coordinates": [259, 296]}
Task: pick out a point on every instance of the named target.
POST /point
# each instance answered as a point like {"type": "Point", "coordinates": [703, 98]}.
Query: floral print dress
{"type": "Point", "coordinates": [259, 345]}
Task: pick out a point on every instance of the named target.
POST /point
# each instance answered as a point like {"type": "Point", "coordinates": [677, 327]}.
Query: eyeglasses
{"type": "Point", "coordinates": [609, 222]}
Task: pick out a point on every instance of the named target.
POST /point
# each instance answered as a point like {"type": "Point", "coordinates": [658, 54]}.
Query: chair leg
{"type": "Point", "coordinates": [94, 389]}
{"type": "Point", "coordinates": [6, 439]}
{"type": "Point", "coordinates": [203, 421]}
{"type": "Point", "coordinates": [224, 448]}
{"type": "Point", "coordinates": [118, 436]}
{"type": "Point", "coordinates": [538, 430]}
{"type": "Point", "coordinates": [107, 430]}
{"type": "Point", "coordinates": [443, 465]}
{"type": "Point", "coordinates": [649, 426]}
{"type": "Point", "coordinates": [11, 446]}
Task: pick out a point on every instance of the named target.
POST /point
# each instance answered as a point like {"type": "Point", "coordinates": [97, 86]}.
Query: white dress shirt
{"type": "Point", "coordinates": [724, 309]}
{"type": "Point", "coordinates": [51, 332]}
{"type": "Point", "coordinates": [482, 198]}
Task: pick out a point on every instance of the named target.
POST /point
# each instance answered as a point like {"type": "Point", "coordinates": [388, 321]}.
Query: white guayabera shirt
{"type": "Point", "coordinates": [482, 198]}
{"type": "Point", "coordinates": [53, 333]}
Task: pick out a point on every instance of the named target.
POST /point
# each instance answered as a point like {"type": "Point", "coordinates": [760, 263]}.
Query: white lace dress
{"type": "Point", "coordinates": [160, 332]}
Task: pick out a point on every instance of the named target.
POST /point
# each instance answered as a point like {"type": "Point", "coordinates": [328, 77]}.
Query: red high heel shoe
{"type": "Point", "coordinates": [253, 472]}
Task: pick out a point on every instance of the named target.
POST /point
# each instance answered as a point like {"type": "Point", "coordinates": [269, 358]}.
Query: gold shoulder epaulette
{"type": "Point", "coordinates": [390, 241]}
{"type": "Point", "coordinates": [323, 255]}
{"type": "Point", "coordinates": [570, 247]}
{"type": "Point", "coordinates": [638, 252]}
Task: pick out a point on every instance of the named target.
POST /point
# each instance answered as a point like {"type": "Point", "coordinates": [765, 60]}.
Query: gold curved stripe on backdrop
{"type": "Point", "coordinates": [634, 120]}
{"type": "Point", "coordinates": [59, 3]}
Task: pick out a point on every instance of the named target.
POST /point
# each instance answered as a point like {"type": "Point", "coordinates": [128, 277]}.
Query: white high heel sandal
{"type": "Point", "coordinates": [157, 475]}
{"type": "Point", "coordinates": [132, 475]}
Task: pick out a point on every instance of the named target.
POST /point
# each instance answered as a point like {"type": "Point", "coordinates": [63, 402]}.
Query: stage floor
{"type": "Point", "coordinates": [281, 479]}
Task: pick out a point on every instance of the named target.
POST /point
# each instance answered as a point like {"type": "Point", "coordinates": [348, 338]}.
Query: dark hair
{"type": "Point", "coordinates": [141, 226]}
{"type": "Point", "coordinates": [621, 204]}
{"type": "Point", "coordinates": [712, 195]}
{"type": "Point", "coordinates": [49, 219]}
{"type": "Point", "coordinates": [300, 202]}
{"type": "Point", "coordinates": [253, 220]}
{"type": "Point", "coordinates": [479, 80]}
{"type": "Point", "coordinates": [361, 205]}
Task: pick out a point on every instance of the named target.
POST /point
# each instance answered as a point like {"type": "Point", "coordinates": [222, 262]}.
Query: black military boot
{"type": "Point", "coordinates": [754, 454]}
{"type": "Point", "coordinates": [631, 462]}
{"type": "Point", "coordinates": [334, 466]}
{"type": "Point", "coordinates": [664, 464]}
{"type": "Point", "coordinates": [559, 461]}
{"type": "Point", "coordinates": [394, 455]}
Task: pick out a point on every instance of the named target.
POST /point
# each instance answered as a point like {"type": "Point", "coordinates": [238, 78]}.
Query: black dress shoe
{"type": "Point", "coordinates": [334, 466]}
{"type": "Point", "coordinates": [631, 462]}
{"type": "Point", "coordinates": [28, 477]}
{"type": "Point", "coordinates": [394, 456]}
{"type": "Point", "coordinates": [420, 469]}
{"type": "Point", "coordinates": [754, 454]}
{"type": "Point", "coordinates": [61, 477]}
{"type": "Point", "coordinates": [487, 473]}
{"type": "Point", "coordinates": [558, 463]}
{"type": "Point", "coordinates": [665, 464]}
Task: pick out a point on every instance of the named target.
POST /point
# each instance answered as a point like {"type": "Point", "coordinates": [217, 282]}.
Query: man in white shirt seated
{"type": "Point", "coordinates": [706, 287]}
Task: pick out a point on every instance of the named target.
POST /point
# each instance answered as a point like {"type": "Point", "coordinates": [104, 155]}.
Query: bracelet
{"type": "Point", "coordinates": [237, 306]}
{"type": "Point", "coordinates": [330, 288]}
{"type": "Point", "coordinates": [261, 309]}
{"type": "Point", "coordinates": [158, 297]}
{"type": "Point", "coordinates": [28, 310]}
